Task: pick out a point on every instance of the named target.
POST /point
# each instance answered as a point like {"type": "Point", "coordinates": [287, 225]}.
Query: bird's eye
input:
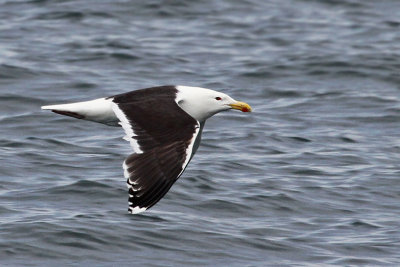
{"type": "Point", "coordinates": [218, 98]}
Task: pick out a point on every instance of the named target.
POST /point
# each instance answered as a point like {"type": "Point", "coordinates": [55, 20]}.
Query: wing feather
{"type": "Point", "coordinates": [162, 136]}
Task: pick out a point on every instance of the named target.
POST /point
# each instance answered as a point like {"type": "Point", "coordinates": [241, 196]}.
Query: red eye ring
{"type": "Point", "coordinates": [218, 98]}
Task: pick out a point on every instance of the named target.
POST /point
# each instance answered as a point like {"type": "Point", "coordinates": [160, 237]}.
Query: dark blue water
{"type": "Point", "coordinates": [310, 178]}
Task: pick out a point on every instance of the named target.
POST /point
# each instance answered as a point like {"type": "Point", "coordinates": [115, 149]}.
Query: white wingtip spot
{"type": "Point", "coordinates": [136, 189]}
{"type": "Point", "coordinates": [137, 210]}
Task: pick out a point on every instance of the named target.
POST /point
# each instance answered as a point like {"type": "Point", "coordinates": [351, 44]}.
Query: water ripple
{"type": "Point", "coordinates": [309, 178]}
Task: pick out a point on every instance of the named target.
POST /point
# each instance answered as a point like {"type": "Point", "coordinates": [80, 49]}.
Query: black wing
{"type": "Point", "coordinates": [162, 136]}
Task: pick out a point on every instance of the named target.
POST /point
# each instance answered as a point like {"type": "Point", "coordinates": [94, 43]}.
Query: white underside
{"type": "Point", "coordinates": [126, 173]}
{"type": "Point", "coordinates": [98, 110]}
{"type": "Point", "coordinates": [191, 149]}
{"type": "Point", "coordinates": [130, 134]}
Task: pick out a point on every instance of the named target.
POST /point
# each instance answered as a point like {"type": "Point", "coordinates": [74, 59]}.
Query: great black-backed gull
{"type": "Point", "coordinates": [163, 125]}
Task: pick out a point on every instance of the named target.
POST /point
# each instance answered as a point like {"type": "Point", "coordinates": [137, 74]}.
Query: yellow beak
{"type": "Point", "coordinates": [244, 107]}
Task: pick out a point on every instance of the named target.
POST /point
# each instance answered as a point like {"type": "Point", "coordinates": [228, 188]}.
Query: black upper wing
{"type": "Point", "coordinates": [162, 136]}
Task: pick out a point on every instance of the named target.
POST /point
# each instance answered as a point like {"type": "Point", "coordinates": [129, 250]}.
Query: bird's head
{"type": "Point", "coordinates": [202, 103]}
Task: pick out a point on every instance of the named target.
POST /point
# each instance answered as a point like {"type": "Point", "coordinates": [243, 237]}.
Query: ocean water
{"type": "Point", "coordinates": [310, 178]}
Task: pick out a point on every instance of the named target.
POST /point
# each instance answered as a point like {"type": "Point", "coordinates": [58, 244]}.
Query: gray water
{"type": "Point", "coordinates": [310, 178]}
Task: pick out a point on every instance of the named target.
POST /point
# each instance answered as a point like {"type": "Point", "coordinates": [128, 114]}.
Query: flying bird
{"type": "Point", "coordinates": [163, 125]}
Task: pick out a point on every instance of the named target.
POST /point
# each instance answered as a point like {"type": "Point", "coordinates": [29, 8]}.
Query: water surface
{"type": "Point", "coordinates": [311, 177]}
